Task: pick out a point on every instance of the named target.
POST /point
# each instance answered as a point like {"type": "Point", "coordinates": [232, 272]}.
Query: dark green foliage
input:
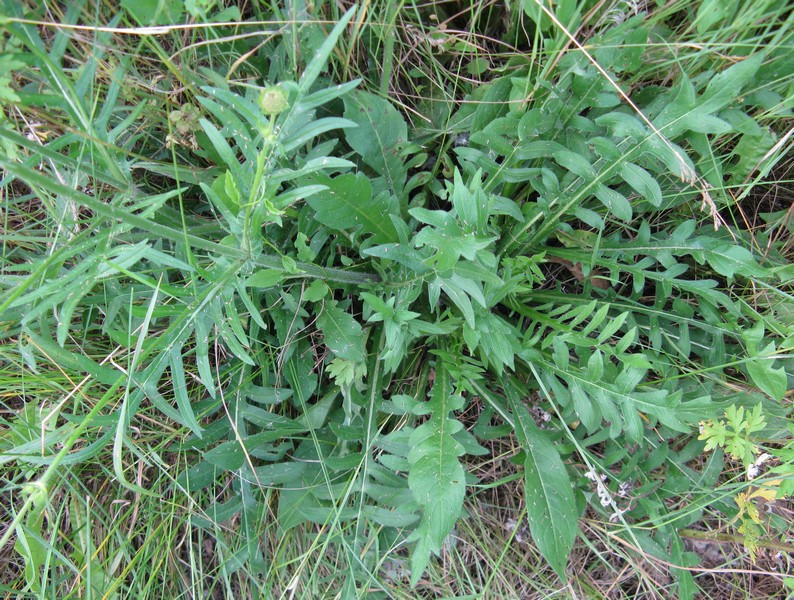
{"type": "Point", "coordinates": [324, 321]}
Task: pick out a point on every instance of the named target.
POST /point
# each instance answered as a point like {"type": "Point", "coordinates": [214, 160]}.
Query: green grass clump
{"type": "Point", "coordinates": [395, 300]}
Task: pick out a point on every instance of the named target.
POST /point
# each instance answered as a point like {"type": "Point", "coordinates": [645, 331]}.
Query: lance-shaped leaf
{"type": "Point", "coordinates": [551, 507]}
{"type": "Point", "coordinates": [320, 59]}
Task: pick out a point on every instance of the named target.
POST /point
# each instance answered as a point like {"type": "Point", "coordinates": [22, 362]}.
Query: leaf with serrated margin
{"type": "Point", "coordinates": [436, 477]}
{"type": "Point", "coordinates": [347, 204]}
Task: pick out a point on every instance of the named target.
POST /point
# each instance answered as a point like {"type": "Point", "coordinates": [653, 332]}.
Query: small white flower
{"type": "Point", "coordinates": [601, 490]}
{"type": "Point", "coordinates": [604, 496]}
{"type": "Point", "coordinates": [624, 490]}
{"type": "Point", "coordinates": [595, 477]}
{"type": "Point", "coordinates": [615, 516]}
{"type": "Point", "coordinates": [762, 459]}
{"type": "Point", "coordinates": [754, 470]}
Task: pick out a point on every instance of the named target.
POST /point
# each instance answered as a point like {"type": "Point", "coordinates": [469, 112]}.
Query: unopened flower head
{"type": "Point", "coordinates": [273, 100]}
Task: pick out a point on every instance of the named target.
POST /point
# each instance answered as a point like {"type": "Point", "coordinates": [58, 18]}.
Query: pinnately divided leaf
{"type": "Point", "coordinates": [436, 477]}
{"type": "Point", "coordinates": [338, 263]}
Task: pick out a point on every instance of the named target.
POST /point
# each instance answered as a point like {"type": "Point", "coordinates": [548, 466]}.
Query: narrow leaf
{"type": "Point", "coordinates": [320, 58]}
{"type": "Point", "coordinates": [180, 391]}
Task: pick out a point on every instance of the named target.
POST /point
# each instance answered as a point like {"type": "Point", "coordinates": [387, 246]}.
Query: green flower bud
{"type": "Point", "coordinates": [273, 100]}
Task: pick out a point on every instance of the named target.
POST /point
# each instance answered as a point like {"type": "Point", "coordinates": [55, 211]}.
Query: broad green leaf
{"type": "Point", "coordinates": [642, 182]}
{"type": "Point", "coordinates": [698, 121]}
{"type": "Point", "coordinates": [712, 12]}
{"type": "Point", "coordinates": [264, 278]}
{"type": "Point", "coordinates": [551, 507]}
{"type": "Point", "coordinates": [575, 163]}
{"type": "Point", "coordinates": [229, 456]}
{"type": "Point", "coordinates": [316, 291]}
{"type": "Point", "coordinates": [278, 473]}
{"type": "Point", "coordinates": [268, 420]}
{"type": "Point", "coordinates": [729, 259]}
{"type": "Point", "coordinates": [267, 395]}
{"type": "Point", "coordinates": [615, 202]}
{"type": "Point", "coordinates": [724, 87]}
{"type": "Point", "coordinates": [623, 125]}
{"type": "Point", "coordinates": [771, 381]}
{"type": "Point", "coordinates": [490, 102]}
{"type": "Point", "coordinates": [342, 333]}
{"type": "Point", "coordinates": [347, 204]}
{"type": "Point", "coordinates": [379, 137]}
{"type": "Point", "coordinates": [155, 12]}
